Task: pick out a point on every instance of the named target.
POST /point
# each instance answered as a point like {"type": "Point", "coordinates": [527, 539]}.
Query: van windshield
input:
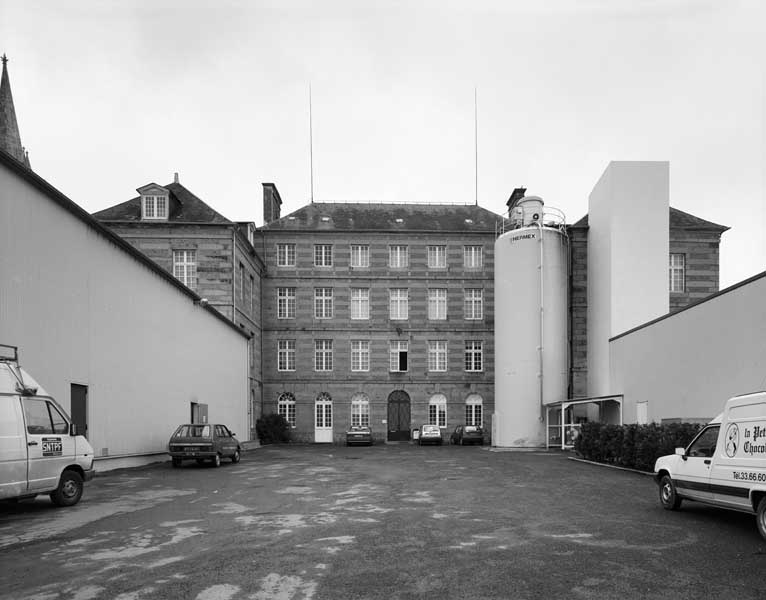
{"type": "Point", "coordinates": [193, 431]}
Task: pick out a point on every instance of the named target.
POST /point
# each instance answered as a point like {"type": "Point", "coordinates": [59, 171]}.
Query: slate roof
{"type": "Point", "coordinates": [678, 220]}
{"type": "Point", "coordinates": [332, 216]}
{"type": "Point", "coordinates": [185, 207]}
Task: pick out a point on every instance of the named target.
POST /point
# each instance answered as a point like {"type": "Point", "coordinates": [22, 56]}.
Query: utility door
{"type": "Point", "coordinates": [398, 416]}
{"type": "Point", "coordinates": [323, 420]}
{"type": "Point", "coordinates": [693, 473]}
{"type": "Point", "coordinates": [50, 447]}
{"type": "Point", "coordinates": [79, 407]}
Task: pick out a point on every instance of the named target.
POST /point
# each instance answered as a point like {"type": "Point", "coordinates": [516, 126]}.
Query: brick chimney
{"type": "Point", "coordinates": [272, 203]}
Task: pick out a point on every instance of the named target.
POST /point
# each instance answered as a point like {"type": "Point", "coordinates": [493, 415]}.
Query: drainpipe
{"type": "Point", "coordinates": [542, 315]}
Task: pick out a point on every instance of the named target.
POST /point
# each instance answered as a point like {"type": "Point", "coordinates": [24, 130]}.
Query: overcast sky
{"type": "Point", "coordinates": [111, 95]}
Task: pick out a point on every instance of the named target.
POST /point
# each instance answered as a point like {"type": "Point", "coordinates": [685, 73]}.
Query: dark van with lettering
{"type": "Point", "coordinates": [725, 464]}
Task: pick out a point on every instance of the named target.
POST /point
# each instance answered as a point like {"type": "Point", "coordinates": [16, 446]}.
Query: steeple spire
{"type": "Point", "coordinates": [10, 140]}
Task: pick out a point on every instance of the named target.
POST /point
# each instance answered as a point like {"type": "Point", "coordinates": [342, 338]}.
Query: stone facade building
{"type": "Point", "coordinates": [210, 254]}
{"type": "Point", "coordinates": [378, 314]}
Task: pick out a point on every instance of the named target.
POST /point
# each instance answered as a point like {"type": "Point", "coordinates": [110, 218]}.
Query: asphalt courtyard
{"type": "Point", "coordinates": [392, 521]}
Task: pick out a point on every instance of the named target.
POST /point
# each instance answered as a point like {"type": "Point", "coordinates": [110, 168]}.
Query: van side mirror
{"type": "Point", "coordinates": [73, 429]}
{"type": "Point", "coordinates": [681, 452]}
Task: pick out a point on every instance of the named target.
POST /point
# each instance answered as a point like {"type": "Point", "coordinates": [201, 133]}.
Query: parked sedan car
{"type": "Point", "coordinates": [359, 434]}
{"type": "Point", "coordinates": [467, 434]}
{"type": "Point", "coordinates": [430, 434]}
{"type": "Point", "coordinates": [203, 442]}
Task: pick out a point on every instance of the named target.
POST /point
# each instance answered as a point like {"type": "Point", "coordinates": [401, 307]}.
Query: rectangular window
{"type": "Point", "coordinates": [155, 207]}
{"type": "Point", "coordinates": [473, 415]}
{"type": "Point", "coordinates": [360, 355]}
{"type": "Point", "coordinates": [285, 255]}
{"type": "Point", "coordinates": [286, 355]}
{"type": "Point", "coordinates": [472, 257]}
{"type": "Point", "coordinates": [360, 413]}
{"type": "Point", "coordinates": [360, 256]}
{"type": "Point", "coordinates": [437, 304]}
{"type": "Point", "coordinates": [397, 355]}
{"type": "Point", "coordinates": [676, 273]}
{"type": "Point", "coordinates": [437, 355]}
{"type": "Point", "coordinates": [473, 300]}
{"type": "Point", "coordinates": [323, 355]}
{"type": "Point", "coordinates": [437, 257]}
{"type": "Point", "coordinates": [286, 303]}
{"type": "Point", "coordinates": [323, 303]}
{"type": "Point", "coordinates": [398, 304]}
{"type": "Point", "coordinates": [473, 355]}
{"type": "Point", "coordinates": [252, 296]}
{"type": "Point", "coordinates": [360, 303]}
{"type": "Point", "coordinates": [437, 413]}
{"type": "Point", "coordinates": [323, 255]}
{"type": "Point", "coordinates": [241, 281]}
{"type": "Point", "coordinates": [398, 257]}
{"type": "Point", "coordinates": [185, 267]}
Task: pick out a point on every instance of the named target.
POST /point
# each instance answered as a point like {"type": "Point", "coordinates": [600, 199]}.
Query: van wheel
{"type": "Point", "coordinates": [69, 491]}
{"type": "Point", "coordinates": [216, 460]}
{"type": "Point", "coordinates": [760, 516]}
{"type": "Point", "coordinates": [235, 458]}
{"type": "Point", "coordinates": [669, 499]}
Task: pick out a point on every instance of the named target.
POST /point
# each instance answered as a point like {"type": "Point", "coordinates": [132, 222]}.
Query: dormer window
{"type": "Point", "coordinates": [155, 207]}
{"type": "Point", "coordinates": [155, 204]}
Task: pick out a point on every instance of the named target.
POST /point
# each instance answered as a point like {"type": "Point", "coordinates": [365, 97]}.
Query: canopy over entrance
{"type": "Point", "coordinates": [564, 419]}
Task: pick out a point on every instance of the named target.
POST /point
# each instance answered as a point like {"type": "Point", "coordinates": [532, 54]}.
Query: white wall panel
{"type": "Point", "coordinates": [83, 310]}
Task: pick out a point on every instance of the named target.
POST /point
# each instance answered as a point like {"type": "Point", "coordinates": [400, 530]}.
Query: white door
{"type": "Point", "coordinates": [323, 421]}
{"type": "Point", "coordinates": [13, 448]}
{"type": "Point", "coordinates": [692, 476]}
{"type": "Point", "coordinates": [49, 444]}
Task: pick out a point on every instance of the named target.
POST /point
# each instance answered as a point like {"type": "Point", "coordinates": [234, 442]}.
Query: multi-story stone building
{"type": "Point", "coordinates": [378, 314]}
{"type": "Point", "coordinates": [210, 254]}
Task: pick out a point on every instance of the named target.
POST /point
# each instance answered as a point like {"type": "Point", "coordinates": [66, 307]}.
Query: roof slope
{"type": "Point", "coordinates": [678, 220]}
{"type": "Point", "coordinates": [337, 216]}
{"type": "Point", "coordinates": [185, 207]}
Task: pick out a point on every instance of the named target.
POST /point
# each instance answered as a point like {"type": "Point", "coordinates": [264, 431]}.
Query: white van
{"type": "Point", "coordinates": [725, 464]}
{"type": "Point", "coordinates": [40, 450]}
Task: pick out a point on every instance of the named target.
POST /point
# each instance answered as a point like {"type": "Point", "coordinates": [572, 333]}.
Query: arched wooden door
{"type": "Point", "coordinates": [398, 416]}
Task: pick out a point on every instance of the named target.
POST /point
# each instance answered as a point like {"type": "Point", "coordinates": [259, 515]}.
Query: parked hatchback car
{"type": "Point", "coordinates": [430, 434]}
{"type": "Point", "coordinates": [359, 434]}
{"type": "Point", "coordinates": [203, 442]}
{"type": "Point", "coordinates": [467, 434]}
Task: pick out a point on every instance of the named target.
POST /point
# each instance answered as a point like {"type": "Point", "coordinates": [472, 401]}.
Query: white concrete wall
{"type": "Point", "coordinates": [627, 257]}
{"type": "Point", "coordinates": [83, 310]}
{"type": "Point", "coordinates": [687, 365]}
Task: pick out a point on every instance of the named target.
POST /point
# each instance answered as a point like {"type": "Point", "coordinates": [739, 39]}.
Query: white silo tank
{"type": "Point", "coordinates": [531, 326]}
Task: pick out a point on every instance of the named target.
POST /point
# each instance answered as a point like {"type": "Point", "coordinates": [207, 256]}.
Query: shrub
{"type": "Point", "coordinates": [272, 429]}
{"type": "Point", "coordinates": [633, 446]}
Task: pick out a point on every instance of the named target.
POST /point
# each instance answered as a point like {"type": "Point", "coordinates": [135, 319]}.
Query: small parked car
{"type": "Point", "coordinates": [430, 434]}
{"type": "Point", "coordinates": [467, 434]}
{"type": "Point", "coordinates": [359, 434]}
{"type": "Point", "coordinates": [201, 442]}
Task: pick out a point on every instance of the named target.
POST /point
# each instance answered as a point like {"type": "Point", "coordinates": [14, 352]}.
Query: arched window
{"type": "Point", "coordinates": [360, 410]}
{"type": "Point", "coordinates": [473, 412]}
{"type": "Point", "coordinates": [286, 407]}
{"type": "Point", "coordinates": [437, 410]}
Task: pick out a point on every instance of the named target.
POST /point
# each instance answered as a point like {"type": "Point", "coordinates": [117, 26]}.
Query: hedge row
{"type": "Point", "coordinates": [272, 429]}
{"type": "Point", "coordinates": [633, 446]}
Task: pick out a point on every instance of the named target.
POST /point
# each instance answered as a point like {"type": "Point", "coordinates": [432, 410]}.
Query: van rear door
{"type": "Point", "coordinates": [13, 449]}
{"type": "Point", "coordinates": [49, 444]}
